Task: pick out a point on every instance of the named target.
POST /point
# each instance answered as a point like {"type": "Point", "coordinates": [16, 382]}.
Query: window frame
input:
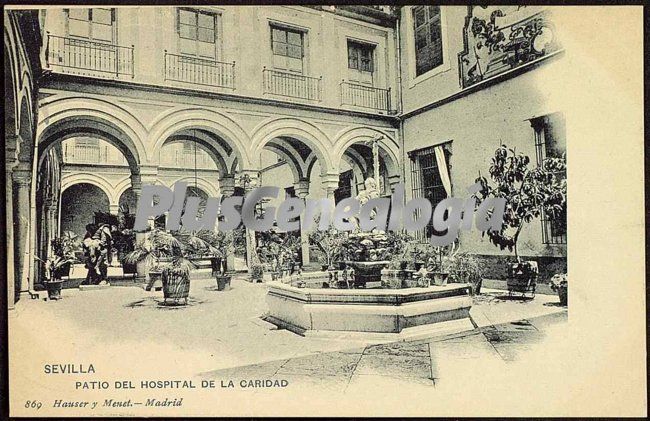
{"type": "Point", "coordinates": [217, 35]}
{"type": "Point", "coordinates": [89, 11]}
{"type": "Point", "coordinates": [445, 66]}
{"type": "Point", "coordinates": [359, 46]}
{"type": "Point", "coordinates": [303, 46]}
{"type": "Point", "coordinates": [417, 187]}
{"type": "Point", "coordinates": [540, 127]}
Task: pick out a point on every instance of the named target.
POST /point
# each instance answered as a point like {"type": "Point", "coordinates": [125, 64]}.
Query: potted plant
{"type": "Point", "coordinates": [59, 264]}
{"type": "Point", "coordinates": [257, 272]}
{"type": "Point", "coordinates": [559, 283]}
{"type": "Point", "coordinates": [166, 253]}
{"type": "Point", "coordinates": [527, 193]}
{"type": "Point", "coordinates": [465, 268]}
{"type": "Point", "coordinates": [219, 246]}
{"type": "Point", "coordinates": [330, 243]}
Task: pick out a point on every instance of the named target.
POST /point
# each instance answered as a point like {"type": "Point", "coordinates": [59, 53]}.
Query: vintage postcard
{"type": "Point", "coordinates": [304, 210]}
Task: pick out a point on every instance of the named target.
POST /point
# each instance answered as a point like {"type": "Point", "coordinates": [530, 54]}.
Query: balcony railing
{"type": "Point", "coordinates": [292, 85]}
{"type": "Point", "coordinates": [181, 159]}
{"type": "Point", "coordinates": [100, 154]}
{"type": "Point", "coordinates": [199, 71]}
{"type": "Point", "coordinates": [88, 56]}
{"type": "Point", "coordinates": [365, 96]}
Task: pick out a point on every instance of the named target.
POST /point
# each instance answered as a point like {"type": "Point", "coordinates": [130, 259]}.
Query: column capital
{"type": "Point", "coordinates": [330, 182]}
{"type": "Point", "coordinates": [302, 188]}
{"type": "Point", "coordinates": [22, 176]}
{"type": "Point", "coordinates": [249, 179]}
{"type": "Point", "coordinates": [227, 185]}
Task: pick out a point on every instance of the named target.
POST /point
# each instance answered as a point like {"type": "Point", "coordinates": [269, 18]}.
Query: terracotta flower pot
{"type": "Point", "coordinates": [223, 282]}
{"type": "Point", "coordinates": [176, 286]}
{"type": "Point", "coordinates": [54, 289]}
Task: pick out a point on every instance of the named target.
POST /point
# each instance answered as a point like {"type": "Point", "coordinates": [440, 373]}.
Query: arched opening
{"type": "Point", "coordinates": [79, 203]}
{"type": "Point", "coordinates": [127, 201]}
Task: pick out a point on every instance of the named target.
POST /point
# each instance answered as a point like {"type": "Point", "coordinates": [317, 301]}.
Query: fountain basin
{"type": "Point", "coordinates": [367, 274]}
{"type": "Point", "coordinates": [391, 313]}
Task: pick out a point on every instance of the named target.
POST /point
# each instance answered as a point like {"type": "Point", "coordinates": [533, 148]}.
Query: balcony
{"type": "Point", "coordinates": [199, 71]}
{"type": "Point", "coordinates": [96, 154]}
{"type": "Point", "coordinates": [292, 85]}
{"type": "Point", "coordinates": [88, 58]}
{"type": "Point", "coordinates": [365, 96]}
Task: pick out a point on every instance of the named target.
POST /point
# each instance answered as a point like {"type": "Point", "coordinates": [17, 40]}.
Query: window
{"type": "Point", "coordinates": [426, 182]}
{"type": "Point", "coordinates": [197, 32]}
{"type": "Point", "coordinates": [427, 30]}
{"type": "Point", "coordinates": [550, 142]}
{"type": "Point", "coordinates": [96, 24]}
{"type": "Point", "coordinates": [345, 186]}
{"type": "Point", "coordinates": [360, 57]}
{"type": "Point", "coordinates": [288, 49]}
{"type": "Point", "coordinates": [360, 62]}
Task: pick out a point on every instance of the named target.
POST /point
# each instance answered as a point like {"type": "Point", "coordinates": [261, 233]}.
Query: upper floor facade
{"type": "Point", "coordinates": [319, 56]}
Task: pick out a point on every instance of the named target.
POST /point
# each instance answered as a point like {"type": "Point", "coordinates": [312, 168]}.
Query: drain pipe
{"type": "Point", "coordinates": [400, 111]}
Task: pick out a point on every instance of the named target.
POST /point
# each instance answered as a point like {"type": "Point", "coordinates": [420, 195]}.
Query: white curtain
{"type": "Point", "coordinates": [442, 168]}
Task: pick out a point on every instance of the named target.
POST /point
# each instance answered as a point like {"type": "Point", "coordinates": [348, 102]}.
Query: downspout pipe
{"type": "Point", "coordinates": [400, 111]}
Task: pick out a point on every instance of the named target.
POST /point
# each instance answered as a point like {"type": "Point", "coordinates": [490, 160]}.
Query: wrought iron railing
{"type": "Point", "coordinates": [183, 159]}
{"type": "Point", "coordinates": [199, 71]}
{"type": "Point", "coordinates": [100, 154]}
{"type": "Point", "coordinates": [89, 56]}
{"type": "Point", "coordinates": [292, 85]}
{"type": "Point", "coordinates": [365, 96]}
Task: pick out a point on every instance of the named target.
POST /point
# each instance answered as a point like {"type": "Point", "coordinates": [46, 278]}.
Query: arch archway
{"type": "Point", "coordinates": [219, 133]}
{"type": "Point", "coordinates": [78, 205]}
{"type": "Point", "coordinates": [353, 146]}
{"type": "Point", "coordinates": [302, 132]}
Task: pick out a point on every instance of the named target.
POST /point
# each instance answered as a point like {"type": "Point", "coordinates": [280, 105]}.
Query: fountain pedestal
{"type": "Point", "coordinates": [367, 274]}
{"type": "Point", "coordinates": [381, 313]}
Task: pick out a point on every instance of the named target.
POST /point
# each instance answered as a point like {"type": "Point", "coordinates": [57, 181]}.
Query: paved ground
{"type": "Point", "coordinates": [218, 331]}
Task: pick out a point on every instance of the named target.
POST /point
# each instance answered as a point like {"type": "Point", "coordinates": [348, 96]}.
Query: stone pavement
{"type": "Point", "coordinates": [221, 334]}
{"type": "Point", "coordinates": [404, 364]}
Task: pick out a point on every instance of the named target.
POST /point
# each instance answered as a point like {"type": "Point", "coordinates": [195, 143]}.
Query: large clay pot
{"type": "Point", "coordinates": [223, 282]}
{"type": "Point", "coordinates": [176, 285]}
{"type": "Point", "coordinates": [54, 289]}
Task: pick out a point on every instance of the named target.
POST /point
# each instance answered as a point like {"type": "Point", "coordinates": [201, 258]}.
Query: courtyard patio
{"type": "Point", "coordinates": [220, 335]}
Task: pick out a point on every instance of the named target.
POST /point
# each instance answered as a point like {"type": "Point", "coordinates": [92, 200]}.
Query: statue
{"type": "Point", "coordinates": [370, 191]}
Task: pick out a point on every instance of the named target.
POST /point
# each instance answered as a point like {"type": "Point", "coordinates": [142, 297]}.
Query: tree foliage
{"type": "Point", "coordinates": [528, 192]}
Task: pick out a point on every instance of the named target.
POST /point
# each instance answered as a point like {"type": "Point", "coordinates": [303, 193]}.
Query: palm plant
{"type": "Point", "coordinates": [168, 252]}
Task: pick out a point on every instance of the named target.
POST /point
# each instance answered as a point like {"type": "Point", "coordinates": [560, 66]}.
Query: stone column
{"type": "Point", "coordinates": [330, 183]}
{"type": "Point", "coordinates": [137, 180]}
{"type": "Point", "coordinates": [249, 180]}
{"type": "Point", "coordinates": [21, 184]}
{"type": "Point", "coordinates": [393, 181]}
{"type": "Point", "coordinates": [302, 190]}
{"type": "Point", "coordinates": [227, 188]}
{"type": "Point", "coordinates": [114, 208]}
{"type": "Point", "coordinates": [9, 226]}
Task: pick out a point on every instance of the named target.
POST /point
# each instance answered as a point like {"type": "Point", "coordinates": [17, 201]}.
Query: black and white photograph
{"type": "Point", "coordinates": [302, 210]}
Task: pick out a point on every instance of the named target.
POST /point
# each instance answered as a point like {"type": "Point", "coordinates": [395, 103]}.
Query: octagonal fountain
{"type": "Point", "coordinates": [365, 298]}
